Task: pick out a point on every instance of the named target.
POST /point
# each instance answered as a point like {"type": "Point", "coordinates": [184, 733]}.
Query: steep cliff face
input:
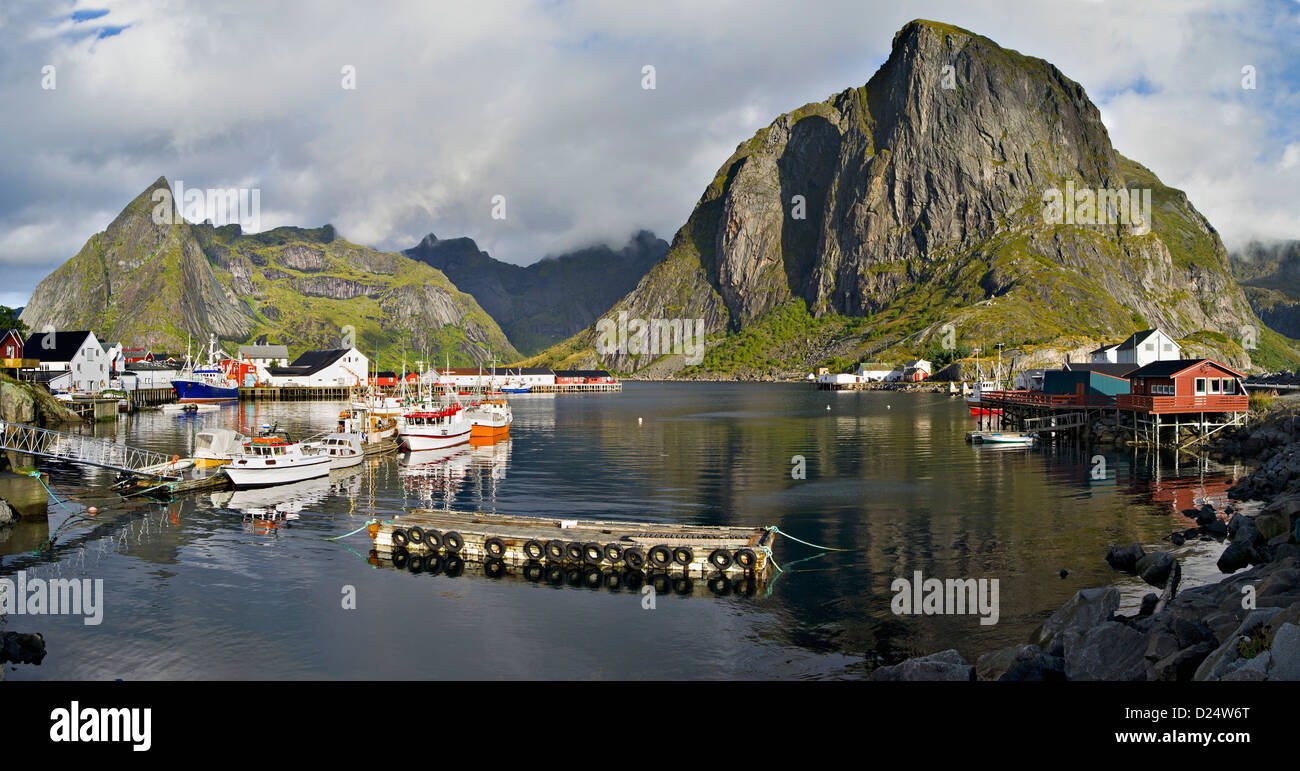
{"type": "Point", "coordinates": [918, 201]}
{"type": "Point", "coordinates": [1270, 276]}
{"type": "Point", "coordinates": [549, 300]}
{"type": "Point", "coordinates": [157, 284]}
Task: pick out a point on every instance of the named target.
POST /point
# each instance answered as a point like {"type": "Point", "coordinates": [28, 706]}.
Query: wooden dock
{"type": "Point", "coordinates": [609, 578]}
{"type": "Point", "coordinates": [698, 551]}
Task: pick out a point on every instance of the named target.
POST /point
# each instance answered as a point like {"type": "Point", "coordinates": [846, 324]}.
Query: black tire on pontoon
{"type": "Point", "coordinates": [720, 559]}
{"type": "Point", "coordinates": [400, 538]}
{"type": "Point", "coordinates": [661, 556]}
{"type": "Point", "coordinates": [453, 542]}
{"type": "Point", "coordinates": [534, 549]}
{"type": "Point", "coordinates": [683, 555]}
{"type": "Point", "coordinates": [416, 534]}
{"type": "Point", "coordinates": [494, 547]}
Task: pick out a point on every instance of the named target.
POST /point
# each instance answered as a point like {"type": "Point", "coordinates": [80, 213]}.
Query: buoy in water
{"type": "Point", "coordinates": [92, 511]}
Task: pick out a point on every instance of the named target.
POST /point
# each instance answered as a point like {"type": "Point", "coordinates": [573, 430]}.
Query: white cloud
{"type": "Point", "coordinates": [542, 103]}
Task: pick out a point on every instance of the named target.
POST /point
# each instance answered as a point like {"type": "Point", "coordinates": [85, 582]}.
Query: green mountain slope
{"type": "Point", "coordinates": [924, 223]}
{"type": "Point", "coordinates": [156, 285]}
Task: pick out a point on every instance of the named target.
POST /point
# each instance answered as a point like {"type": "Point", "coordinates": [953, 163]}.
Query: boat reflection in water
{"type": "Point", "coordinates": [268, 508]}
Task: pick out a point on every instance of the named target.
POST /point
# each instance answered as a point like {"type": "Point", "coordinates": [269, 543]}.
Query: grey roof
{"type": "Point", "coordinates": [1136, 339]}
{"type": "Point", "coordinates": [265, 351]}
{"type": "Point", "coordinates": [1104, 368]}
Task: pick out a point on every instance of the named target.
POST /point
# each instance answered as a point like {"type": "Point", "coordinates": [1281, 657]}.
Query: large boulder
{"type": "Point", "coordinates": [1227, 657]}
{"type": "Point", "coordinates": [1086, 609]}
{"type": "Point", "coordinates": [1154, 568]}
{"type": "Point", "coordinates": [946, 665]}
{"type": "Point", "coordinates": [1125, 558]}
{"type": "Point", "coordinates": [1108, 651]}
{"type": "Point", "coordinates": [1020, 663]}
{"type": "Point", "coordinates": [1237, 556]}
{"type": "Point", "coordinates": [7, 515]}
{"type": "Point", "coordinates": [21, 648]}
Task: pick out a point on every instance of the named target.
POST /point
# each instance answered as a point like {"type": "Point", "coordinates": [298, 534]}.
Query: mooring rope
{"type": "Point", "coordinates": [354, 532]}
{"type": "Point", "coordinates": [779, 531]}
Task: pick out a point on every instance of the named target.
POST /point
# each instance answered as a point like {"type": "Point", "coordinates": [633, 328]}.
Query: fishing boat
{"type": "Point", "coordinates": [274, 460]}
{"type": "Point", "coordinates": [434, 429]}
{"type": "Point", "coordinates": [345, 450]}
{"type": "Point", "coordinates": [490, 419]}
{"type": "Point", "coordinates": [985, 385]}
{"type": "Point", "coordinates": [207, 382]}
{"type": "Point", "coordinates": [516, 387]}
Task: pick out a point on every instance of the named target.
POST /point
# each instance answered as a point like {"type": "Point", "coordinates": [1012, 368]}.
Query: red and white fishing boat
{"type": "Point", "coordinates": [434, 429]}
{"type": "Point", "coordinates": [985, 385]}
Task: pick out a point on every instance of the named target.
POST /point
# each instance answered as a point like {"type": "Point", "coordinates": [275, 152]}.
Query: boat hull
{"type": "Point", "coordinates": [266, 476]}
{"type": "Point", "coordinates": [198, 392]}
{"type": "Point", "coordinates": [346, 461]}
{"type": "Point", "coordinates": [416, 441]}
{"type": "Point", "coordinates": [489, 432]}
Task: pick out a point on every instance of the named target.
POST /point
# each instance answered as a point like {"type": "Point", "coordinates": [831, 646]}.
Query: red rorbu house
{"type": "Point", "coordinates": [136, 355]}
{"type": "Point", "coordinates": [11, 345]}
{"type": "Point", "coordinates": [1184, 386]}
{"type": "Point", "coordinates": [385, 378]}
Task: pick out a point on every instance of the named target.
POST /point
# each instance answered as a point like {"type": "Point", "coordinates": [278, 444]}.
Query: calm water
{"type": "Point", "coordinates": [194, 589]}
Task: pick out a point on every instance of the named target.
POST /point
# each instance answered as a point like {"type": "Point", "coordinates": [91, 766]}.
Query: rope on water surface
{"type": "Point", "coordinates": [354, 532]}
{"type": "Point", "coordinates": [779, 531]}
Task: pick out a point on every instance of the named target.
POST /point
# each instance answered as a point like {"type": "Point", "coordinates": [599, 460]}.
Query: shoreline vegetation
{"type": "Point", "coordinates": [1245, 627]}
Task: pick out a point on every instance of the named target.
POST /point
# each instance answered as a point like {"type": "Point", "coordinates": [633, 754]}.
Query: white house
{"type": "Point", "coordinates": [265, 355]}
{"type": "Point", "coordinates": [532, 376]}
{"type": "Point", "coordinates": [77, 353]}
{"type": "Point", "coordinates": [873, 371]}
{"type": "Point", "coordinates": [338, 367]}
{"type": "Point", "coordinates": [1141, 348]}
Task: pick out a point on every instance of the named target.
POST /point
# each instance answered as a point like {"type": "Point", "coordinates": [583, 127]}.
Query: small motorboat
{"type": "Point", "coordinates": [274, 460]}
{"type": "Point", "coordinates": [345, 450]}
{"type": "Point", "coordinates": [1001, 437]}
{"type": "Point", "coordinates": [217, 446]}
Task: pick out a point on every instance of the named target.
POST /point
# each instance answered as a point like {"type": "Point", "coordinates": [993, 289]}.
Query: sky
{"type": "Point", "coordinates": [537, 112]}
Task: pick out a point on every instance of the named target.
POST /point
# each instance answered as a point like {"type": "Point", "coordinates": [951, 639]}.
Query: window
{"type": "Point", "coordinates": [1214, 385]}
{"type": "Point", "coordinates": [1229, 385]}
{"type": "Point", "coordinates": [1150, 347]}
{"type": "Point", "coordinates": [1200, 386]}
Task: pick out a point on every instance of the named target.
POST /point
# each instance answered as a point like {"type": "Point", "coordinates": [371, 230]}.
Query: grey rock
{"type": "Point", "coordinates": [943, 666]}
{"type": "Point", "coordinates": [1285, 650]}
{"type": "Point", "coordinates": [7, 515]}
{"type": "Point", "coordinates": [1020, 663]}
{"type": "Point", "coordinates": [21, 648]}
{"type": "Point", "coordinates": [1086, 609]}
{"type": "Point", "coordinates": [1237, 556]}
{"type": "Point", "coordinates": [1108, 651]}
{"type": "Point", "coordinates": [1125, 558]}
{"type": "Point", "coordinates": [1224, 658]}
{"type": "Point", "coordinates": [1181, 665]}
{"type": "Point", "coordinates": [1155, 567]}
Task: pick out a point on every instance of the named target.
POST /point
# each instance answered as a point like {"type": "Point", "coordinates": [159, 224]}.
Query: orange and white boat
{"type": "Point", "coordinates": [490, 419]}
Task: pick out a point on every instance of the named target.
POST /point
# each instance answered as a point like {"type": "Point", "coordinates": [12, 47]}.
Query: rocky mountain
{"type": "Point", "coordinates": [545, 302]}
{"type": "Point", "coordinates": [928, 208]}
{"type": "Point", "coordinates": [151, 283]}
{"type": "Point", "coordinates": [1270, 276]}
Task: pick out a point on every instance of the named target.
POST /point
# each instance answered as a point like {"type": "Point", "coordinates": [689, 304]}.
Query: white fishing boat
{"type": "Point", "coordinates": [345, 450]}
{"type": "Point", "coordinates": [985, 385]}
{"type": "Point", "coordinates": [273, 460]}
{"type": "Point", "coordinates": [434, 429]}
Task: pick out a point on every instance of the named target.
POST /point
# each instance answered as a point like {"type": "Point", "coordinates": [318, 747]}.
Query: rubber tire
{"type": "Point", "coordinates": [634, 579]}
{"type": "Point", "coordinates": [415, 564]}
{"type": "Point", "coordinates": [634, 558]}
{"type": "Point", "coordinates": [416, 534]}
{"type": "Point", "coordinates": [399, 559]}
{"type": "Point", "coordinates": [555, 550]}
{"type": "Point", "coordinates": [573, 551]}
{"type": "Point", "coordinates": [683, 555]}
{"type": "Point", "coordinates": [746, 558]}
{"type": "Point", "coordinates": [593, 549]}
{"type": "Point", "coordinates": [613, 553]}
{"type": "Point", "coordinates": [452, 542]}
{"type": "Point", "coordinates": [494, 547]}
{"type": "Point", "coordinates": [534, 572]}
{"type": "Point", "coordinates": [494, 568]}
{"type": "Point", "coordinates": [592, 578]}
{"type": "Point", "coordinates": [661, 556]}
{"type": "Point", "coordinates": [433, 564]}
{"type": "Point", "coordinates": [400, 538]}
{"type": "Point", "coordinates": [534, 546]}
{"type": "Point", "coordinates": [720, 558]}
{"type": "Point", "coordinates": [432, 540]}
{"type": "Point", "coordinates": [455, 567]}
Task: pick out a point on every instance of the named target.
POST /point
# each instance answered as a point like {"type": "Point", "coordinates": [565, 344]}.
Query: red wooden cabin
{"type": "Point", "coordinates": [1185, 385]}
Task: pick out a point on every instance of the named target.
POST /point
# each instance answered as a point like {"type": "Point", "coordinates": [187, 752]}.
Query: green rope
{"type": "Point", "coordinates": [354, 532]}
{"type": "Point", "coordinates": [37, 476]}
{"type": "Point", "coordinates": [778, 531]}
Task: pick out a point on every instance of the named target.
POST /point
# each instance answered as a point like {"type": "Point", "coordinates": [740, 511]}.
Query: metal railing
{"type": "Point", "coordinates": [31, 440]}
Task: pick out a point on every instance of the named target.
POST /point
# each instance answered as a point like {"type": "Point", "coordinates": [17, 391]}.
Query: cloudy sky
{"type": "Point", "coordinates": [542, 103]}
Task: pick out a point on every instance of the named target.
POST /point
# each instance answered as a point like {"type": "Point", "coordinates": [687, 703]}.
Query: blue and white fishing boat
{"type": "Point", "coordinates": [208, 382]}
{"type": "Point", "coordinates": [516, 387]}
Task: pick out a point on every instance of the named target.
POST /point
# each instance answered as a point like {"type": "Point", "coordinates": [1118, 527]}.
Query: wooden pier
{"type": "Point", "coordinates": [698, 551]}
{"type": "Point", "coordinates": [1151, 421]}
{"type": "Point", "coordinates": [295, 394]}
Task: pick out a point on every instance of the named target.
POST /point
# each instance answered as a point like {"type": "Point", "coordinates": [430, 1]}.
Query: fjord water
{"type": "Point", "coordinates": [196, 589]}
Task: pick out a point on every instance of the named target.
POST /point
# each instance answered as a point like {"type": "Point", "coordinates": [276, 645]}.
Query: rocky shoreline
{"type": "Point", "coordinates": [1244, 627]}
